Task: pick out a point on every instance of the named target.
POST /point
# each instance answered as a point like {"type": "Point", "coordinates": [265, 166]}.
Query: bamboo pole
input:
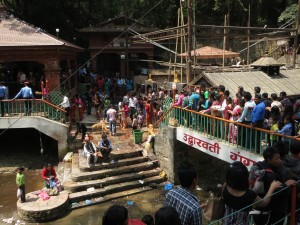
{"type": "Point", "coordinates": [188, 71]}
{"type": "Point", "coordinates": [296, 36]}
{"type": "Point", "coordinates": [224, 41]}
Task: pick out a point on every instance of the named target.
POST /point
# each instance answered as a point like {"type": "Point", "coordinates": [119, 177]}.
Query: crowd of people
{"type": "Point", "coordinates": [279, 114]}
{"type": "Point", "coordinates": [135, 109]}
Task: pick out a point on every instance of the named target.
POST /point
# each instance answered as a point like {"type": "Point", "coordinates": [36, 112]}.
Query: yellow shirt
{"type": "Point", "coordinates": [274, 127]}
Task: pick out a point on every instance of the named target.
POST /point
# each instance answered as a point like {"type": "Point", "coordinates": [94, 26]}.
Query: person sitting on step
{"type": "Point", "coordinates": [90, 151]}
{"type": "Point", "coordinates": [105, 147]}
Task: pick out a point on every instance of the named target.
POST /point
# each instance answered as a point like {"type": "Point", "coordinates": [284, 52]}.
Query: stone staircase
{"type": "Point", "coordinates": [131, 172]}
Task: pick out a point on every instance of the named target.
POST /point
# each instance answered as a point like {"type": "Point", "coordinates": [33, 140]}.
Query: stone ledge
{"type": "Point", "coordinates": [36, 210]}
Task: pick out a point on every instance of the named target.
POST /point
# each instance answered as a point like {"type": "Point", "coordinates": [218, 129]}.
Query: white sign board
{"type": "Point", "coordinates": [217, 149]}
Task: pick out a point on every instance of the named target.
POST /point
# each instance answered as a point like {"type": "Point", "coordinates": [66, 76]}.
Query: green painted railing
{"type": "Point", "coordinates": [167, 103]}
{"type": "Point", "coordinates": [31, 107]}
{"type": "Point", "coordinates": [235, 134]}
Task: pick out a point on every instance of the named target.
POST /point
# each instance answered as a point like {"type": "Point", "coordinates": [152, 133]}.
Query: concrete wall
{"type": "Point", "coordinates": [170, 153]}
{"type": "Point", "coordinates": [51, 128]}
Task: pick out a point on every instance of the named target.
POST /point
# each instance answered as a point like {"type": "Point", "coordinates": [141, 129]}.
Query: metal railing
{"type": "Point", "coordinates": [31, 107]}
{"type": "Point", "coordinates": [236, 134]}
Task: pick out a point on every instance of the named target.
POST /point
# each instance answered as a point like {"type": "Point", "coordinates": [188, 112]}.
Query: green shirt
{"type": "Point", "coordinates": [20, 179]}
{"type": "Point", "coordinates": [106, 103]}
{"type": "Point", "coordinates": [206, 94]}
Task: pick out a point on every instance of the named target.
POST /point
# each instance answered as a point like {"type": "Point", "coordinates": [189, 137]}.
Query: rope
{"type": "Point", "coordinates": [41, 143]}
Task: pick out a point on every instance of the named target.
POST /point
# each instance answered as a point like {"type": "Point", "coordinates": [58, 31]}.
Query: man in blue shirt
{"type": "Point", "coordinates": [105, 148]}
{"type": "Point", "coordinates": [26, 93]}
{"type": "Point", "coordinates": [193, 100]}
{"type": "Point", "coordinates": [258, 116]}
{"type": "Point", "coordinates": [3, 96]}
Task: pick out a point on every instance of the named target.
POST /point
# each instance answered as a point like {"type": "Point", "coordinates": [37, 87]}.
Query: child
{"type": "Point", "coordinates": [20, 181]}
{"type": "Point", "coordinates": [140, 119]}
{"type": "Point", "coordinates": [287, 128]}
{"type": "Point", "coordinates": [134, 122]}
{"type": "Point", "coordinates": [273, 127]}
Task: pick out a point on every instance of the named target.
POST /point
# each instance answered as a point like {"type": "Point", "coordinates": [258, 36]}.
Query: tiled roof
{"type": "Point", "coordinates": [288, 81]}
{"type": "Point", "coordinates": [209, 52]}
{"type": "Point", "coordinates": [14, 32]}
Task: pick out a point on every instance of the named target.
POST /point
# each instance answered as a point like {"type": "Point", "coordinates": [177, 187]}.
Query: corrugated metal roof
{"type": "Point", "coordinates": [288, 81]}
{"type": "Point", "coordinates": [14, 32]}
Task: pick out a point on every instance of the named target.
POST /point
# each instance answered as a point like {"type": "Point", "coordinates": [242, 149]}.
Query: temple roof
{"type": "Point", "coordinates": [17, 33]}
{"type": "Point", "coordinates": [266, 61]}
{"type": "Point", "coordinates": [209, 52]}
{"type": "Point", "coordinates": [118, 25]}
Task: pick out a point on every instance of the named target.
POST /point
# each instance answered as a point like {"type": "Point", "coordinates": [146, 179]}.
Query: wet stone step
{"type": "Point", "coordinates": [122, 152]}
{"type": "Point", "coordinates": [110, 197]}
{"type": "Point", "coordinates": [101, 192]}
{"type": "Point", "coordinates": [100, 183]}
{"type": "Point", "coordinates": [82, 176]}
{"type": "Point", "coordinates": [99, 166]}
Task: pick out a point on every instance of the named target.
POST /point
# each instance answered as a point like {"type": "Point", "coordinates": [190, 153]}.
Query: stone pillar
{"type": "Point", "coordinates": [150, 63]}
{"type": "Point", "coordinates": [123, 68]}
{"type": "Point", "coordinates": [94, 62]}
{"type": "Point", "coordinates": [52, 74]}
{"type": "Point", "coordinates": [74, 78]}
{"type": "Point", "coordinates": [164, 146]}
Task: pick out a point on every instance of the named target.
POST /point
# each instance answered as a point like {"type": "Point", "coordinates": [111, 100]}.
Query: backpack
{"type": "Point", "coordinates": [256, 179]}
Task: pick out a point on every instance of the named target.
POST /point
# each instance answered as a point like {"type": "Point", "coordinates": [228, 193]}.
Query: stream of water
{"type": "Point", "coordinates": [144, 203]}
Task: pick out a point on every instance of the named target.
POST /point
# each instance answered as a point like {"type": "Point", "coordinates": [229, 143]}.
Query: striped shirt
{"type": "Point", "coordinates": [186, 204]}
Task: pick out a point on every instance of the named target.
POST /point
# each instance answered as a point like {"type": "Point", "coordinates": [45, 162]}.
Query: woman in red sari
{"type": "Point", "coordinates": [149, 113]}
{"type": "Point", "coordinates": [77, 109]}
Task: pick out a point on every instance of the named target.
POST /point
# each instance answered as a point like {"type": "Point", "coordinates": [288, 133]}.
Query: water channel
{"type": "Point", "coordinates": [24, 149]}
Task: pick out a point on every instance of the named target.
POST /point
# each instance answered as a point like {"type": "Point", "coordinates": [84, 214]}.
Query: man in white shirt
{"type": "Point", "coordinates": [132, 106]}
{"type": "Point", "coordinates": [66, 105]}
{"type": "Point", "coordinates": [111, 115]}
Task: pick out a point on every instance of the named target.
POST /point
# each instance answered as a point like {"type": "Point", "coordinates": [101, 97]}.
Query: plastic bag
{"type": "Point", "coordinates": [44, 195]}
{"type": "Point", "coordinates": [168, 187]}
{"type": "Point", "coordinates": [19, 193]}
{"type": "Point", "coordinates": [68, 157]}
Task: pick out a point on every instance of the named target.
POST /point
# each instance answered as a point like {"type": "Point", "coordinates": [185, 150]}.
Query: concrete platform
{"type": "Point", "coordinates": [37, 210]}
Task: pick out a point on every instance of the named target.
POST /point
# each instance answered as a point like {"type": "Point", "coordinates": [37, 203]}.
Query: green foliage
{"type": "Point", "coordinates": [288, 13]}
{"type": "Point", "coordinates": [72, 15]}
